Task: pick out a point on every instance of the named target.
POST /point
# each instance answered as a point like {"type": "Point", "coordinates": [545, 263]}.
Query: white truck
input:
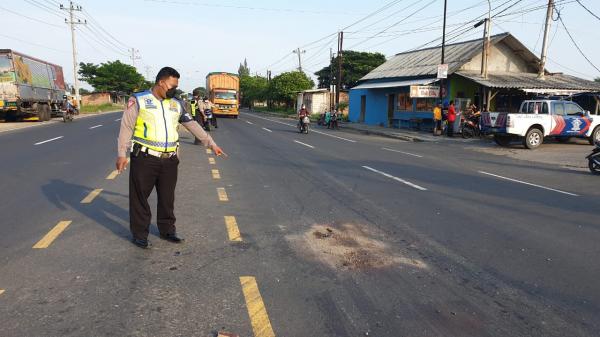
{"type": "Point", "coordinates": [538, 119]}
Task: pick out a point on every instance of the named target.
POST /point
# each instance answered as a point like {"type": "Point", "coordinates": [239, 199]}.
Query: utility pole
{"type": "Point", "coordinates": [268, 81]}
{"type": "Point", "coordinates": [299, 52]}
{"type": "Point", "coordinates": [340, 60]}
{"type": "Point", "coordinates": [443, 49]}
{"type": "Point", "coordinates": [133, 56]}
{"type": "Point", "coordinates": [148, 68]}
{"type": "Point", "coordinates": [486, 42]}
{"type": "Point", "coordinates": [546, 33]}
{"type": "Point", "coordinates": [72, 8]}
{"type": "Point", "coordinates": [330, 79]}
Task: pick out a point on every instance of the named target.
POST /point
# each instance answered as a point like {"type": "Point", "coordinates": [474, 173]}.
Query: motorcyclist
{"type": "Point", "coordinates": [303, 112]}
{"type": "Point", "coordinates": [208, 105]}
{"type": "Point", "coordinates": [333, 124]}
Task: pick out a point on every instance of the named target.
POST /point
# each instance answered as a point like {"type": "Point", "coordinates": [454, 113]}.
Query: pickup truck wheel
{"type": "Point", "coordinates": [502, 140]}
{"type": "Point", "coordinates": [595, 136]}
{"type": "Point", "coordinates": [533, 139]}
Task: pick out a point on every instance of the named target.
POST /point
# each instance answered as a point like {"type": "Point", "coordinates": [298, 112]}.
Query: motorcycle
{"type": "Point", "coordinates": [209, 120]}
{"type": "Point", "coordinates": [594, 159]}
{"type": "Point", "coordinates": [303, 125]}
{"type": "Point", "coordinates": [68, 113]}
{"type": "Point", "coordinates": [470, 128]}
{"type": "Point", "coordinates": [321, 120]}
{"type": "Point", "coordinates": [333, 121]}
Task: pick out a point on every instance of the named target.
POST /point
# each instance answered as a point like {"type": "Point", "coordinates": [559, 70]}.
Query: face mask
{"type": "Point", "coordinates": [171, 93]}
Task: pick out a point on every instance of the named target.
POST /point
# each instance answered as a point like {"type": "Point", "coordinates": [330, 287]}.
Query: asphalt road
{"type": "Point", "coordinates": [340, 234]}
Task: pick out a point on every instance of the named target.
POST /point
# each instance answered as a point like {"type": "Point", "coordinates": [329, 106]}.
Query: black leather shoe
{"type": "Point", "coordinates": [172, 238]}
{"type": "Point", "coordinates": [142, 243]}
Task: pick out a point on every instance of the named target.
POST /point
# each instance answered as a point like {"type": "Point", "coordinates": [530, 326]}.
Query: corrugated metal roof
{"type": "Point", "coordinates": [393, 84]}
{"type": "Point", "coordinates": [531, 81]}
{"type": "Point", "coordinates": [424, 62]}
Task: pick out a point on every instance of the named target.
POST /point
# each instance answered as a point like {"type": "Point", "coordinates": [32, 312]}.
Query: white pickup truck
{"type": "Point", "coordinates": [538, 119]}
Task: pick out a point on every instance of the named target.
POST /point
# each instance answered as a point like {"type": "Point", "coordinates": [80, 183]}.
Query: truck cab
{"type": "Point", "coordinates": [538, 119]}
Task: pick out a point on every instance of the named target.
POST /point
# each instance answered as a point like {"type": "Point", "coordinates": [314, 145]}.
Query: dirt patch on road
{"type": "Point", "coordinates": [349, 246]}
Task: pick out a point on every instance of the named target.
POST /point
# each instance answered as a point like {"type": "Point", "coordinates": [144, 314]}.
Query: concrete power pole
{"type": "Point", "coordinates": [486, 42]}
{"type": "Point", "coordinates": [133, 56]}
{"type": "Point", "coordinates": [74, 8]}
{"type": "Point", "coordinates": [299, 52]}
{"type": "Point", "coordinates": [340, 60]}
{"type": "Point", "coordinates": [545, 43]}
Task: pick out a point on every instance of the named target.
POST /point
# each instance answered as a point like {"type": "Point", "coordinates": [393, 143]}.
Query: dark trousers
{"type": "Point", "coordinates": [450, 128]}
{"type": "Point", "coordinates": [147, 172]}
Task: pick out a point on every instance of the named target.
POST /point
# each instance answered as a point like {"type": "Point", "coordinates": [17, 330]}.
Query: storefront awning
{"type": "Point", "coordinates": [553, 84]}
{"type": "Point", "coordinates": [394, 84]}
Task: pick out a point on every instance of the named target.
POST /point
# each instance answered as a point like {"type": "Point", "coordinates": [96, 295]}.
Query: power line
{"type": "Point", "coordinates": [89, 16]}
{"type": "Point", "coordinates": [44, 8]}
{"type": "Point", "coordinates": [575, 43]}
{"type": "Point", "coordinates": [589, 11]}
{"type": "Point", "coordinates": [30, 18]}
{"type": "Point", "coordinates": [33, 44]}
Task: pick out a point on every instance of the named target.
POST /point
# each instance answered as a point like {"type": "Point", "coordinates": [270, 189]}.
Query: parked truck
{"type": "Point", "coordinates": [223, 91]}
{"type": "Point", "coordinates": [29, 87]}
{"type": "Point", "coordinates": [538, 119]}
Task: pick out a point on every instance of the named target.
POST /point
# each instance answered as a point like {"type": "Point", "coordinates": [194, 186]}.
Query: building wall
{"type": "Point", "coordinates": [96, 98]}
{"type": "Point", "coordinates": [502, 59]}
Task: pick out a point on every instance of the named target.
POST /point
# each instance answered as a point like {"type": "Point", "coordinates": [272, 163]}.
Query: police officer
{"type": "Point", "coordinates": [150, 124]}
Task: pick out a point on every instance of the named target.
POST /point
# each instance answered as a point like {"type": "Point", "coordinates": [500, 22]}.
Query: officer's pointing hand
{"type": "Point", "coordinates": [121, 164]}
{"type": "Point", "coordinates": [217, 150]}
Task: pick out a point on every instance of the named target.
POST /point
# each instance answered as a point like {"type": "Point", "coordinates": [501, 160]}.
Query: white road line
{"type": "Point", "coordinates": [49, 140]}
{"type": "Point", "coordinates": [96, 126]}
{"type": "Point", "coordinates": [118, 119]}
{"type": "Point", "coordinates": [406, 153]}
{"type": "Point", "coordinates": [312, 147]}
{"type": "Point", "coordinates": [396, 178]}
{"type": "Point", "coordinates": [312, 130]}
{"type": "Point", "coordinates": [526, 183]}
{"type": "Point", "coordinates": [267, 130]}
{"type": "Point", "coordinates": [249, 122]}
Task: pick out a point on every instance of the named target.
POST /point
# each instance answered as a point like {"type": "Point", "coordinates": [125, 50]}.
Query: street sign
{"type": "Point", "coordinates": [424, 91]}
{"type": "Point", "coordinates": [442, 71]}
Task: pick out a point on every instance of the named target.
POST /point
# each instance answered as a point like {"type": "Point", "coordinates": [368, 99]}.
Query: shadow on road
{"type": "Point", "coordinates": [68, 196]}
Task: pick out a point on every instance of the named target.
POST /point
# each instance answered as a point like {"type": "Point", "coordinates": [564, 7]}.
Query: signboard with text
{"type": "Point", "coordinates": [424, 91]}
{"type": "Point", "coordinates": [442, 71]}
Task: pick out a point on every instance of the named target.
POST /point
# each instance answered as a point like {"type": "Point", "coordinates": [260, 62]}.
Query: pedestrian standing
{"type": "Point", "coordinates": [437, 119]}
{"type": "Point", "coordinates": [150, 124]}
{"type": "Point", "coordinates": [451, 118]}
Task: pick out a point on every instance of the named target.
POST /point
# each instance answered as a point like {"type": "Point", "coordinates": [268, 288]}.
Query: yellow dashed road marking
{"type": "Point", "coordinates": [52, 235]}
{"type": "Point", "coordinates": [222, 194]}
{"type": "Point", "coordinates": [216, 174]}
{"type": "Point", "coordinates": [208, 151]}
{"type": "Point", "coordinates": [232, 229]}
{"type": "Point", "coordinates": [112, 175]}
{"type": "Point", "coordinates": [90, 197]}
{"type": "Point", "coordinates": [256, 308]}
{"type": "Point", "coordinates": [211, 160]}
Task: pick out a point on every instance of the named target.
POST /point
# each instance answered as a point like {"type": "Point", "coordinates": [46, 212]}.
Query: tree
{"type": "Point", "coordinates": [199, 91]}
{"type": "Point", "coordinates": [253, 88]}
{"type": "Point", "coordinates": [243, 70]}
{"type": "Point", "coordinates": [112, 76]}
{"type": "Point", "coordinates": [597, 79]}
{"type": "Point", "coordinates": [355, 65]}
{"type": "Point", "coordinates": [285, 86]}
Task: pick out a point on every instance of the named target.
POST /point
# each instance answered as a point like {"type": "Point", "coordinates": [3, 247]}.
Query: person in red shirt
{"type": "Point", "coordinates": [451, 118]}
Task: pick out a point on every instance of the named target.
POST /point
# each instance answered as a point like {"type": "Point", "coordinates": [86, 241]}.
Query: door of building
{"type": "Point", "coordinates": [363, 108]}
{"type": "Point", "coordinates": [390, 109]}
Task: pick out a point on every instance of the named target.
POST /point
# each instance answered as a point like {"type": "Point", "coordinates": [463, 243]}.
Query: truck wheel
{"type": "Point", "coordinates": [595, 136]}
{"type": "Point", "coordinates": [502, 140]}
{"type": "Point", "coordinates": [47, 112]}
{"type": "Point", "coordinates": [533, 139]}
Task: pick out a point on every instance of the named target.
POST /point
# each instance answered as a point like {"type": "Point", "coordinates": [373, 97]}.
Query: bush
{"type": "Point", "coordinates": [86, 109]}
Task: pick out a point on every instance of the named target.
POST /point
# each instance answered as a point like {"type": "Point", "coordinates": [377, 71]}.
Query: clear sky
{"type": "Point", "coordinates": [200, 36]}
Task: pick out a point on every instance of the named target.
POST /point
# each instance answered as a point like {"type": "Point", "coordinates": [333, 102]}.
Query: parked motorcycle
{"type": "Point", "coordinates": [321, 121]}
{"type": "Point", "coordinates": [333, 121]}
{"type": "Point", "coordinates": [594, 159]}
{"type": "Point", "coordinates": [470, 128]}
{"type": "Point", "coordinates": [304, 125]}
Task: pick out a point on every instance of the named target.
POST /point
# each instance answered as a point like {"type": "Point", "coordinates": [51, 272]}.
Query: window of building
{"type": "Point", "coordinates": [425, 104]}
{"type": "Point", "coordinates": [404, 102]}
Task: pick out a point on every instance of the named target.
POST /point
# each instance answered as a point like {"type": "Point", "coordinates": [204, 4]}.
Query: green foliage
{"type": "Point", "coordinates": [597, 79]}
{"type": "Point", "coordinates": [112, 76]}
{"type": "Point", "coordinates": [243, 69]}
{"type": "Point", "coordinates": [285, 86]}
{"type": "Point", "coordinates": [355, 65]}
{"type": "Point", "coordinates": [200, 92]}
{"type": "Point", "coordinates": [253, 88]}
{"type": "Point", "coordinates": [342, 106]}
{"type": "Point", "coordinates": [86, 109]}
